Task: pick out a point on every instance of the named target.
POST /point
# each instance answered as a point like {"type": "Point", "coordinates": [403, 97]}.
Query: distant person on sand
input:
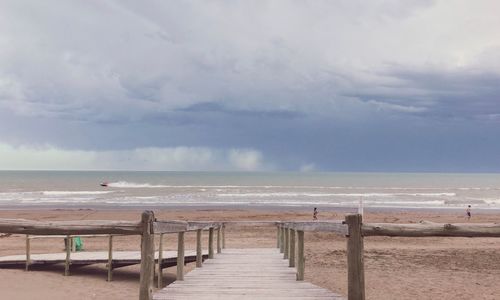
{"type": "Point", "coordinates": [467, 212]}
{"type": "Point", "coordinates": [315, 214]}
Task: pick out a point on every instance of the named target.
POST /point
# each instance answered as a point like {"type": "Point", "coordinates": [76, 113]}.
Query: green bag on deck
{"type": "Point", "coordinates": [78, 243]}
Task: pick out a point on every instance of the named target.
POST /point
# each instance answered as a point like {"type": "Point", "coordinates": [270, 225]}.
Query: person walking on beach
{"type": "Point", "coordinates": [315, 214]}
{"type": "Point", "coordinates": [467, 212]}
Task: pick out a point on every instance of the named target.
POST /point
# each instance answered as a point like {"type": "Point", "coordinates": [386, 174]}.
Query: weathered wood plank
{"type": "Point", "coordinates": [291, 255]}
{"type": "Point", "coordinates": [223, 236]}
{"type": "Point", "coordinates": [211, 243]}
{"type": "Point", "coordinates": [88, 257]}
{"type": "Point", "coordinates": [282, 239]}
{"type": "Point", "coordinates": [199, 255]}
{"type": "Point", "coordinates": [301, 260]}
{"type": "Point", "coordinates": [431, 229]}
{"type": "Point", "coordinates": [21, 226]}
{"type": "Point", "coordinates": [355, 264]}
{"type": "Point", "coordinates": [195, 225]}
{"type": "Point", "coordinates": [219, 241]}
{"type": "Point", "coordinates": [250, 223]}
{"type": "Point", "coordinates": [28, 252]}
{"type": "Point", "coordinates": [180, 256]}
{"type": "Point", "coordinates": [68, 256]}
{"type": "Point", "coordinates": [318, 226]}
{"type": "Point", "coordinates": [287, 243]}
{"type": "Point", "coordinates": [170, 226]}
{"type": "Point", "coordinates": [110, 258]}
{"type": "Point", "coordinates": [244, 274]}
{"type": "Point", "coordinates": [160, 261]}
{"type": "Point", "coordinates": [147, 257]}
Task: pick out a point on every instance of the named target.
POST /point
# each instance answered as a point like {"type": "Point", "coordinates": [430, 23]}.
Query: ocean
{"type": "Point", "coordinates": [81, 189]}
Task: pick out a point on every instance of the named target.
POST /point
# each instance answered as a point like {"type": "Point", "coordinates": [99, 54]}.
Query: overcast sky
{"type": "Point", "coordinates": [250, 85]}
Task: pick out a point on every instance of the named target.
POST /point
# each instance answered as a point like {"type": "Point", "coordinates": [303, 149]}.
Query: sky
{"type": "Point", "coordinates": [337, 85]}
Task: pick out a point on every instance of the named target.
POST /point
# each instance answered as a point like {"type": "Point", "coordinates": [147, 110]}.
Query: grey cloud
{"type": "Point", "coordinates": [341, 85]}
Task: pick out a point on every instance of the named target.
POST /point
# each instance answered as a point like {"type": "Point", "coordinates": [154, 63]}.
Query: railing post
{"type": "Point", "coordinates": [160, 262]}
{"type": "Point", "coordinates": [199, 252]}
{"type": "Point", "coordinates": [28, 252]}
{"type": "Point", "coordinates": [219, 246]}
{"type": "Point", "coordinates": [147, 256]}
{"type": "Point", "coordinates": [355, 264]}
{"type": "Point", "coordinates": [291, 255]}
{"type": "Point", "coordinates": [68, 255]}
{"type": "Point", "coordinates": [180, 256]}
{"type": "Point", "coordinates": [211, 242]}
{"type": "Point", "coordinates": [110, 258]}
{"type": "Point", "coordinates": [282, 239]}
{"type": "Point", "coordinates": [287, 244]}
{"type": "Point", "coordinates": [300, 256]}
{"type": "Point", "coordinates": [277, 236]}
{"type": "Point", "coordinates": [223, 236]}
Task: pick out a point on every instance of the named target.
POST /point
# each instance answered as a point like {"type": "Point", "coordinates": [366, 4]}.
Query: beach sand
{"type": "Point", "coordinates": [395, 268]}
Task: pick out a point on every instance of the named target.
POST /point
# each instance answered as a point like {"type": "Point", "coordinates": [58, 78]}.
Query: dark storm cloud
{"type": "Point", "coordinates": [339, 85]}
{"type": "Point", "coordinates": [463, 94]}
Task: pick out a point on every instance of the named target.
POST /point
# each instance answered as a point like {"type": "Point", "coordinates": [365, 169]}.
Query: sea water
{"type": "Point", "coordinates": [24, 189]}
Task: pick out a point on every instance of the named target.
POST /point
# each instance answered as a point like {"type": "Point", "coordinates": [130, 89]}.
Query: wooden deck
{"type": "Point", "coordinates": [244, 274]}
{"type": "Point", "coordinates": [120, 258]}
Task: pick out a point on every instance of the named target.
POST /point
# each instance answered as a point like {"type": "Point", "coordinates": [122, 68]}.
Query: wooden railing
{"type": "Point", "coordinates": [355, 231]}
{"type": "Point", "coordinates": [290, 240]}
{"type": "Point", "coordinates": [287, 231]}
{"type": "Point", "coordinates": [70, 247]}
{"type": "Point", "coordinates": [147, 228]}
{"type": "Point", "coordinates": [151, 226]}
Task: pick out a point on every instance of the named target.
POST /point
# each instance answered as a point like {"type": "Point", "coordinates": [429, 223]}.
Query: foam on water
{"type": "Point", "coordinates": [65, 193]}
{"type": "Point", "coordinates": [206, 189]}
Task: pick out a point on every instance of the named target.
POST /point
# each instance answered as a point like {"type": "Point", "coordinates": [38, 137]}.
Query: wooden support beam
{"type": "Point", "coordinates": [223, 236]}
{"type": "Point", "coordinates": [431, 229]}
{"type": "Point", "coordinates": [79, 227]}
{"type": "Point", "coordinates": [277, 237]}
{"type": "Point", "coordinates": [199, 252]}
{"type": "Point", "coordinates": [180, 256]}
{"type": "Point", "coordinates": [170, 226]}
{"type": "Point", "coordinates": [195, 225]}
{"type": "Point", "coordinates": [250, 223]}
{"type": "Point", "coordinates": [211, 242]}
{"type": "Point", "coordinates": [291, 255]}
{"type": "Point", "coordinates": [110, 258]}
{"type": "Point", "coordinates": [282, 239]}
{"type": "Point", "coordinates": [147, 256]}
{"type": "Point", "coordinates": [301, 263]}
{"type": "Point", "coordinates": [355, 265]}
{"type": "Point", "coordinates": [319, 226]}
{"type": "Point", "coordinates": [160, 262]}
{"type": "Point", "coordinates": [219, 241]}
{"type": "Point", "coordinates": [68, 256]}
{"type": "Point", "coordinates": [287, 244]}
{"type": "Point", "coordinates": [28, 252]}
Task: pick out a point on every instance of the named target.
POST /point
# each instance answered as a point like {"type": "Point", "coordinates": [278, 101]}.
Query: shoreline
{"type": "Point", "coordinates": [272, 208]}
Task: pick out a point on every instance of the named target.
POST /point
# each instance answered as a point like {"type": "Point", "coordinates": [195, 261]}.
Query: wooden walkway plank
{"type": "Point", "coordinates": [87, 257]}
{"type": "Point", "coordinates": [244, 274]}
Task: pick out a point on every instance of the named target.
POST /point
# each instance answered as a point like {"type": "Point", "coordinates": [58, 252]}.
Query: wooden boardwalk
{"type": "Point", "coordinates": [120, 258]}
{"type": "Point", "coordinates": [244, 274]}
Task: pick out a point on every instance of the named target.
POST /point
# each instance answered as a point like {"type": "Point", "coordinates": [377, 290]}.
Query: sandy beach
{"type": "Point", "coordinates": [396, 268]}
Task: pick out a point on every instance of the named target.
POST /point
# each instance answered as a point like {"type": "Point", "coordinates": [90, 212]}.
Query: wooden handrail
{"type": "Point", "coordinates": [317, 226]}
{"type": "Point", "coordinates": [80, 227]}
{"type": "Point", "coordinates": [431, 229]}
